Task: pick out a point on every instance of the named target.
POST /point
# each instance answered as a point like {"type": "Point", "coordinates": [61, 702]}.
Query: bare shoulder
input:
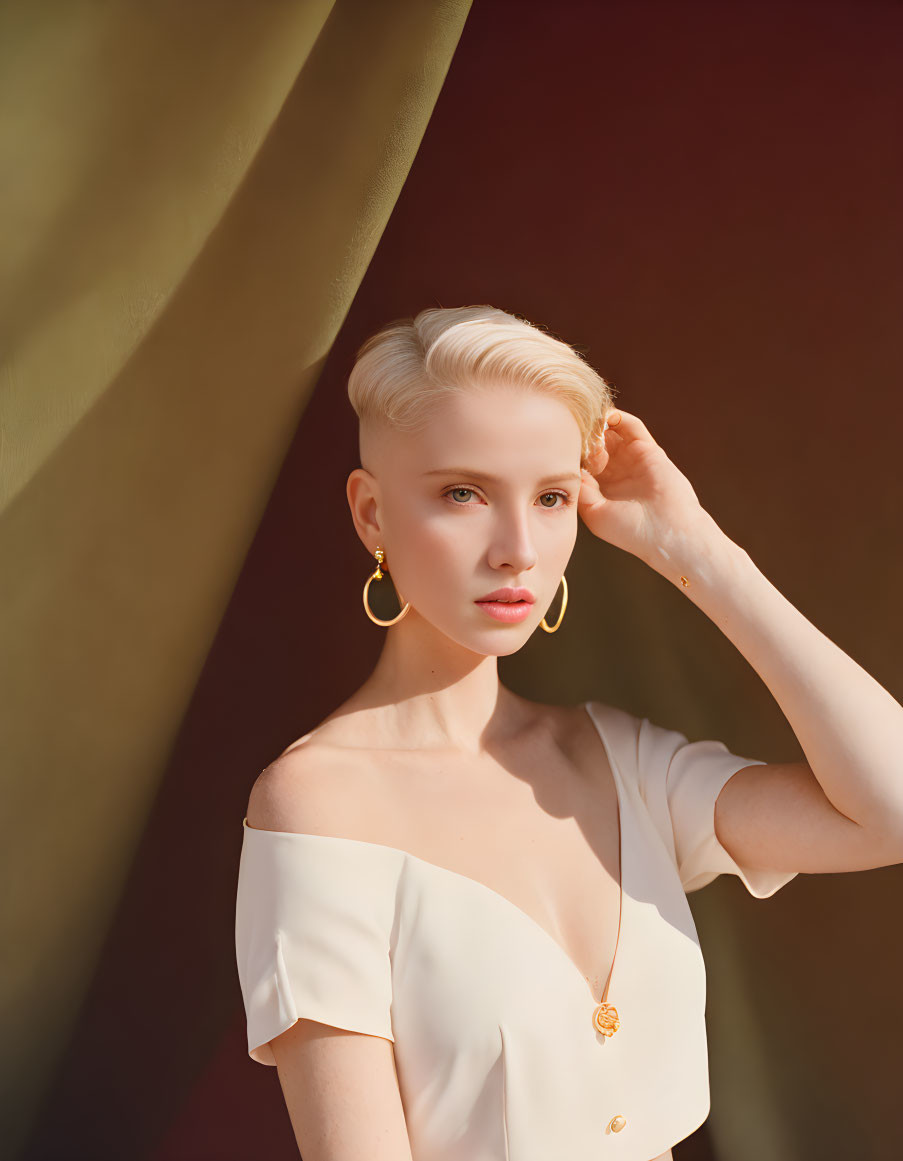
{"type": "Point", "coordinates": [315, 786]}
{"type": "Point", "coordinates": [288, 794]}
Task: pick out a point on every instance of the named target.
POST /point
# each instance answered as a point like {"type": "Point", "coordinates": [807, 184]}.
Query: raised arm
{"type": "Point", "coordinates": [840, 809]}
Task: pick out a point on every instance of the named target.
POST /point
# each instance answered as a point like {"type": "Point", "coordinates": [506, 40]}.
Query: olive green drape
{"type": "Point", "coordinates": [191, 195]}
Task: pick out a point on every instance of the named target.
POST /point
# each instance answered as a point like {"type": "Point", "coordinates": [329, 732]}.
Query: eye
{"type": "Point", "coordinates": [565, 497]}
{"type": "Point", "coordinates": [452, 490]}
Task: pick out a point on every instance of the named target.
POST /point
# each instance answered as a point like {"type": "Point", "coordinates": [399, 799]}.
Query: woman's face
{"type": "Point", "coordinates": [485, 498]}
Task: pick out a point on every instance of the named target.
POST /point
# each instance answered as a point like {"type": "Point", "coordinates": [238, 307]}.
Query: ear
{"type": "Point", "coordinates": [362, 491]}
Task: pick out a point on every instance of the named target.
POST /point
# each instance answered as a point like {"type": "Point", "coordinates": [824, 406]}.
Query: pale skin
{"type": "Point", "coordinates": [442, 750]}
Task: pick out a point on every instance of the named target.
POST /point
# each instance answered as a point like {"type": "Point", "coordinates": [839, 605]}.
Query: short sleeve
{"type": "Point", "coordinates": [313, 923]}
{"type": "Point", "coordinates": [680, 781]}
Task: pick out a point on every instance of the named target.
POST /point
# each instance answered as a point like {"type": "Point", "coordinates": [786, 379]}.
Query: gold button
{"type": "Point", "coordinates": [616, 1124]}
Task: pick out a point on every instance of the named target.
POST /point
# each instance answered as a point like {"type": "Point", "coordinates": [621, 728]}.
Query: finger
{"type": "Point", "coordinates": [629, 427]}
{"type": "Point", "coordinates": [598, 457]}
{"type": "Point", "coordinates": [590, 494]}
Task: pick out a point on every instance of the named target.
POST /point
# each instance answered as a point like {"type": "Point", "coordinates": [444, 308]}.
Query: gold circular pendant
{"type": "Point", "coordinates": [605, 1019]}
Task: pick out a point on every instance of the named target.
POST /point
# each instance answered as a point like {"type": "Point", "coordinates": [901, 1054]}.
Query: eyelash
{"type": "Point", "coordinates": [568, 499]}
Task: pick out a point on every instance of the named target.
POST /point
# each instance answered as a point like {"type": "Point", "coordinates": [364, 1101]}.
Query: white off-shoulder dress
{"type": "Point", "coordinates": [497, 1052]}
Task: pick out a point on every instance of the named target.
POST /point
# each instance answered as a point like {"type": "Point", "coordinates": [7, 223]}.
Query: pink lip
{"type": "Point", "coordinates": [511, 613]}
{"type": "Point", "coordinates": [508, 594]}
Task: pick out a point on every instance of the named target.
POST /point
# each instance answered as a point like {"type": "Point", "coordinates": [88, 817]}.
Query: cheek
{"type": "Point", "coordinates": [430, 551]}
{"type": "Point", "coordinates": [443, 553]}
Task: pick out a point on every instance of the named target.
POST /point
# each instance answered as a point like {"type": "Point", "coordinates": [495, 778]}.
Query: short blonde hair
{"type": "Point", "coordinates": [411, 363]}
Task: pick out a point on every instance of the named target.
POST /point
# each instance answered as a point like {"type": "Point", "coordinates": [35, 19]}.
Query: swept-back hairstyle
{"type": "Point", "coordinates": [410, 364]}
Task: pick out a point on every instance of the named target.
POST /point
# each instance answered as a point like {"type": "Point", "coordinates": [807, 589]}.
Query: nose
{"type": "Point", "coordinates": [512, 545]}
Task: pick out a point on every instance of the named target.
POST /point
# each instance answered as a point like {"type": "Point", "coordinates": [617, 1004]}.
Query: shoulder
{"type": "Point", "coordinates": [591, 725]}
{"type": "Point", "coordinates": [574, 716]}
{"type": "Point", "coordinates": [315, 787]}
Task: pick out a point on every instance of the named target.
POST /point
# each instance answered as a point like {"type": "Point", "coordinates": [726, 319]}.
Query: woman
{"type": "Point", "coordinates": [462, 927]}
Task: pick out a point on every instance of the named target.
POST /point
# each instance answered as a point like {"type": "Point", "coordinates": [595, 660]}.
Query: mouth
{"type": "Point", "coordinates": [505, 610]}
{"type": "Point", "coordinates": [508, 596]}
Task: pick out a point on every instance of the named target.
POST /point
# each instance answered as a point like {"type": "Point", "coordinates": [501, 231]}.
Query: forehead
{"type": "Point", "coordinates": [501, 429]}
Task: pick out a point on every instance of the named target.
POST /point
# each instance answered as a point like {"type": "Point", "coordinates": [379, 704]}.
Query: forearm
{"type": "Point", "coordinates": [849, 727]}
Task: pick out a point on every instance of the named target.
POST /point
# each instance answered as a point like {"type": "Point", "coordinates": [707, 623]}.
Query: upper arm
{"type": "Point", "coordinates": [340, 1086]}
{"type": "Point", "coordinates": [342, 1094]}
{"type": "Point", "coordinates": [776, 815]}
{"type": "Point", "coordinates": [680, 782]}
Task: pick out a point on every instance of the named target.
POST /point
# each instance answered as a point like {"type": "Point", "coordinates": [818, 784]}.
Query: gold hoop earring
{"type": "Point", "coordinates": [378, 575]}
{"type": "Point", "coordinates": [564, 605]}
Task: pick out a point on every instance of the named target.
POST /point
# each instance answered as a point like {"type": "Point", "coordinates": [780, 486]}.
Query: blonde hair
{"type": "Point", "coordinates": [411, 363]}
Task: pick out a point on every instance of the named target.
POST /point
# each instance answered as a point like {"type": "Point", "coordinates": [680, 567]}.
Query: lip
{"type": "Point", "coordinates": [509, 613]}
{"type": "Point", "coordinates": [509, 595]}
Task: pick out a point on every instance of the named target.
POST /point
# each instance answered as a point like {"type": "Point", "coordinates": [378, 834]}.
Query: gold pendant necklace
{"type": "Point", "coordinates": [605, 1015]}
{"type": "Point", "coordinates": [605, 1019]}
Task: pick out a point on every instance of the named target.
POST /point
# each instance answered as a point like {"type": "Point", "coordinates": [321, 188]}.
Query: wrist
{"type": "Point", "coordinates": [699, 557]}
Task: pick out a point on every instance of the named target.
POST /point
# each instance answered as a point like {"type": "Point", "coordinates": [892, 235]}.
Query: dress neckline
{"type": "Point", "coordinates": [491, 891]}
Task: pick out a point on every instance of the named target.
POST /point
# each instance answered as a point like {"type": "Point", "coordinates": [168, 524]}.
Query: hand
{"type": "Point", "coordinates": [633, 497]}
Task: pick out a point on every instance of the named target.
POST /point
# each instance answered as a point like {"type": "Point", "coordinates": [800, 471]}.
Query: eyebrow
{"type": "Point", "coordinates": [497, 479]}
